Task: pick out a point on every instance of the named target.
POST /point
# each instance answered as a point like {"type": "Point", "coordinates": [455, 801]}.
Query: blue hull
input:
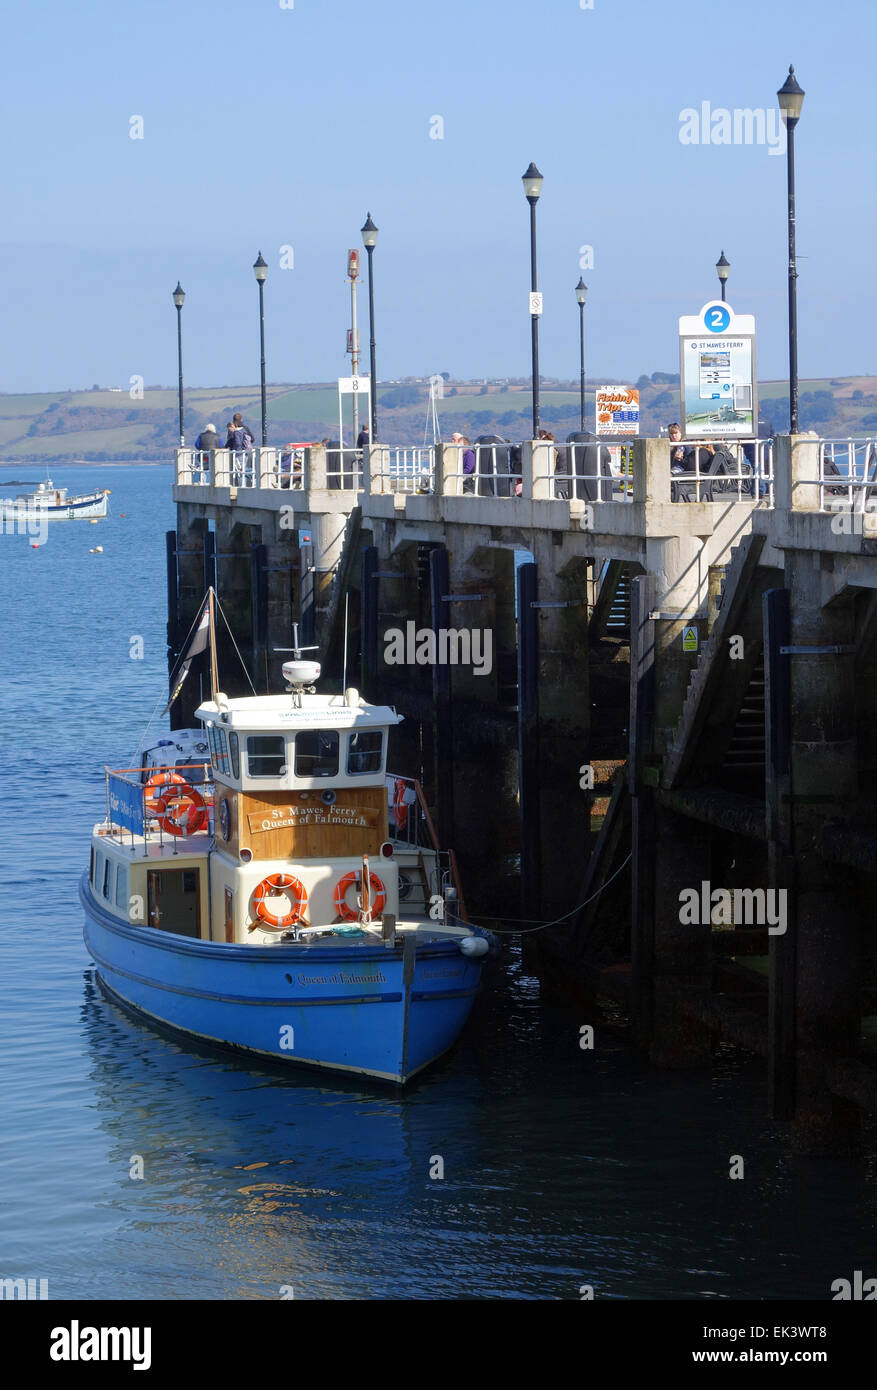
{"type": "Point", "coordinates": [346, 1006]}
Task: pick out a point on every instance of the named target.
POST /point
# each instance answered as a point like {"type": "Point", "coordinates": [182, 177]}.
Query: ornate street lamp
{"type": "Point", "coordinates": [179, 298]}
{"type": "Point", "coordinates": [791, 99]}
{"type": "Point", "coordinates": [260, 270]}
{"type": "Point", "coordinates": [582, 298]}
{"type": "Point", "coordinates": [532, 180]}
{"type": "Point", "coordinates": [370, 241]}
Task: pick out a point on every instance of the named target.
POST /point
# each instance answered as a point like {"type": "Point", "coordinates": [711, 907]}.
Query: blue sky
{"type": "Point", "coordinates": [265, 127]}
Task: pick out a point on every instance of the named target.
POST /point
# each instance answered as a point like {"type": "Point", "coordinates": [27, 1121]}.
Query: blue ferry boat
{"type": "Point", "coordinates": [284, 895]}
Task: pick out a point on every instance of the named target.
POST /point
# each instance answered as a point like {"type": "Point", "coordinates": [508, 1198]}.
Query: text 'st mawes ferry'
{"type": "Point", "coordinates": [276, 899]}
{"type": "Point", "coordinates": [53, 504]}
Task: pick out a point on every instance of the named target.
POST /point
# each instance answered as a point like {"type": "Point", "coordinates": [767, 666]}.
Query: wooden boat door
{"type": "Point", "coordinates": [173, 900]}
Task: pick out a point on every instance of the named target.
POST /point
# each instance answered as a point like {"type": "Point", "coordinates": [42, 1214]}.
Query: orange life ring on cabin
{"type": "Point", "coordinates": [281, 883]}
{"type": "Point", "coordinates": [379, 895]}
{"type": "Point", "coordinates": [177, 806]}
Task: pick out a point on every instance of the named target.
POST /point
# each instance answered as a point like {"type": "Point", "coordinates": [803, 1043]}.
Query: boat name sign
{"type": "Point", "coordinates": [289, 817]}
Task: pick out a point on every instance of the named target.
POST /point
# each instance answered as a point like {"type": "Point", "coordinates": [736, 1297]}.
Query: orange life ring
{"type": "Point", "coordinates": [379, 895]}
{"type": "Point", "coordinates": [179, 808]}
{"type": "Point", "coordinates": [281, 883]}
{"type": "Point", "coordinates": [186, 812]}
{"type": "Point", "coordinates": [400, 810]}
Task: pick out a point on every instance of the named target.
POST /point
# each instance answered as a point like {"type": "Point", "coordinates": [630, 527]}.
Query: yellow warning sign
{"type": "Point", "coordinates": [689, 639]}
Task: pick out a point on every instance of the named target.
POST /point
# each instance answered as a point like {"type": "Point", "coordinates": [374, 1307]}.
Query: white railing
{"type": "Point", "coordinates": [589, 471]}
{"type": "Point", "coordinates": [408, 470]}
{"type": "Point", "coordinates": [495, 470]}
{"type": "Point", "coordinates": [706, 477]}
{"type": "Point", "coordinates": [847, 475]}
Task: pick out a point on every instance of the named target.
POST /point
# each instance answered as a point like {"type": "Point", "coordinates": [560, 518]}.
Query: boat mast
{"type": "Point", "coordinates": [214, 675]}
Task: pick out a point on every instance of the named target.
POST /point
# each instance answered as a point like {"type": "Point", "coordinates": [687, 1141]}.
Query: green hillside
{"type": "Point", "coordinates": [105, 426]}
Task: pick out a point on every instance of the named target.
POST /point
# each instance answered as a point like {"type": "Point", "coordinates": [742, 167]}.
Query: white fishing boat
{"type": "Point", "coordinates": [253, 884]}
{"type": "Point", "coordinates": [52, 503]}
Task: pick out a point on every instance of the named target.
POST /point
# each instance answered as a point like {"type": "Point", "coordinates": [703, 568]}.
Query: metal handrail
{"type": "Point", "coordinates": [205, 789]}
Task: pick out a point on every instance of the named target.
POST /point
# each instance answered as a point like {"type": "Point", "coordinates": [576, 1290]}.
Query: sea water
{"type": "Point", "coordinates": [522, 1165]}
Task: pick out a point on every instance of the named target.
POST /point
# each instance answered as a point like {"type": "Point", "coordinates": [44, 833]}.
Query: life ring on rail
{"type": "Point", "coordinates": [400, 810]}
{"type": "Point", "coordinates": [379, 895]}
{"type": "Point", "coordinates": [177, 806]}
{"type": "Point", "coordinates": [186, 813]}
{"type": "Point", "coordinates": [295, 891]}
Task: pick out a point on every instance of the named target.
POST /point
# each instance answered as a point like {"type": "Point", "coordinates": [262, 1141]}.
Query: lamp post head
{"type": "Point", "coordinates": [179, 295]}
{"type": "Point", "coordinates": [581, 291]}
{"type": "Point", "coordinates": [723, 267]}
{"type": "Point", "coordinates": [532, 184]}
{"type": "Point", "coordinates": [791, 98]}
{"type": "Point", "coordinates": [260, 269]}
{"type": "Point", "coordinates": [369, 233]}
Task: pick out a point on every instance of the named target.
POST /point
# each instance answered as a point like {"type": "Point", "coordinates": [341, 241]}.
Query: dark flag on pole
{"type": "Point", "coordinates": [198, 644]}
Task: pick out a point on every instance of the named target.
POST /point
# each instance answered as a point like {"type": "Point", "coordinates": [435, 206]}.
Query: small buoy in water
{"type": "Point", "coordinates": [96, 550]}
{"type": "Point", "coordinates": [121, 513]}
{"type": "Point", "coordinates": [34, 545]}
{"type": "Point", "coordinates": [92, 521]}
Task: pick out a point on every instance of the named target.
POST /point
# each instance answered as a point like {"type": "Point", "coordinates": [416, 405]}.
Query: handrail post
{"type": "Point", "coordinates": [418, 791]}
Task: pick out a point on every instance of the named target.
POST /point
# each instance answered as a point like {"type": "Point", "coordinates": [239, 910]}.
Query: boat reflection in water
{"type": "Point", "coordinates": [258, 1179]}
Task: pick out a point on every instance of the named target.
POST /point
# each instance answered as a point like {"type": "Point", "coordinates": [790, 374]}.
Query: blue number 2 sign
{"type": "Point", "coordinates": [717, 318]}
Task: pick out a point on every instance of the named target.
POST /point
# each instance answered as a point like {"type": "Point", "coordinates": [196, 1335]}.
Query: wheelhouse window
{"type": "Point", "coordinates": [316, 753]}
{"type": "Point", "coordinates": [234, 747]}
{"type": "Point", "coordinates": [194, 773]}
{"type": "Point", "coordinates": [107, 889]}
{"type": "Point", "coordinates": [218, 740]}
{"type": "Point", "coordinates": [266, 755]}
{"type": "Point", "coordinates": [364, 753]}
{"type": "Point", "coordinates": [97, 871]}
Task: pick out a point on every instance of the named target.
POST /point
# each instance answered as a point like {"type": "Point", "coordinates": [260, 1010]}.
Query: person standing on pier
{"type": "Point", "coordinates": [678, 453]}
{"type": "Point", "coordinates": [240, 436]}
{"type": "Point", "coordinates": [208, 438]}
{"type": "Point", "coordinates": [468, 461]}
{"type": "Point", "coordinates": [240, 439]}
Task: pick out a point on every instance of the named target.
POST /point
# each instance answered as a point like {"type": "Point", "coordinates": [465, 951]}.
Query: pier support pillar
{"type": "Point", "coordinates": [821, 906]}
{"type": "Point", "coordinates": [681, 961]}
{"type": "Point", "coordinates": [190, 549]}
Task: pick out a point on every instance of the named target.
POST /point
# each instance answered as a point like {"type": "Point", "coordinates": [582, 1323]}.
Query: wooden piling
{"type": "Point", "coordinates": [529, 763]}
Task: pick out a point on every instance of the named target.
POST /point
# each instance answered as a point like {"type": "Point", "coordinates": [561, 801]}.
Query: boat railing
{"type": "Point", "coordinates": [136, 813]}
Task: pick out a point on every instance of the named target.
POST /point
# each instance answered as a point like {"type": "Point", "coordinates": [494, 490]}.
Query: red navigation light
{"type": "Point", "coordinates": [353, 264]}
{"type": "Point", "coordinates": [387, 850]}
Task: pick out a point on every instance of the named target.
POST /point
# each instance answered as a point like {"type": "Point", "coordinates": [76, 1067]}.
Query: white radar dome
{"type": "Point", "coordinates": [301, 672]}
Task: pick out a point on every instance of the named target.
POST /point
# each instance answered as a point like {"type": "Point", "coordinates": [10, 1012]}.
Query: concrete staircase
{"type": "Point", "coordinates": [719, 685]}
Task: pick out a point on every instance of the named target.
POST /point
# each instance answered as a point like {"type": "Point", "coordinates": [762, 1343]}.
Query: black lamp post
{"type": "Point", "coordinates": [260, 270]}
{"type": "Point", "coordinates": [369, 241]}
{"type": "Point", "coordinates": [532, 188]}
{"type": "Point", "coordinates": [582, 297]}
{"type": "Point", "coordinates": [179, 297]}
{"type": "Point", "coordinates": [791, 99]}
{"type": "Point", "coordinates": [723, 270]}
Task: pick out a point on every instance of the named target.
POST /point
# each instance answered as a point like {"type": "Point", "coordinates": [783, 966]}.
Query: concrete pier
{"type": "Point", "coordinates": [677, 698]}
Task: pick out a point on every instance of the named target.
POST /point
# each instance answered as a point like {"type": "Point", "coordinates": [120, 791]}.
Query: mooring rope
{"type": "Point", "coordinates": [497, 931]}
